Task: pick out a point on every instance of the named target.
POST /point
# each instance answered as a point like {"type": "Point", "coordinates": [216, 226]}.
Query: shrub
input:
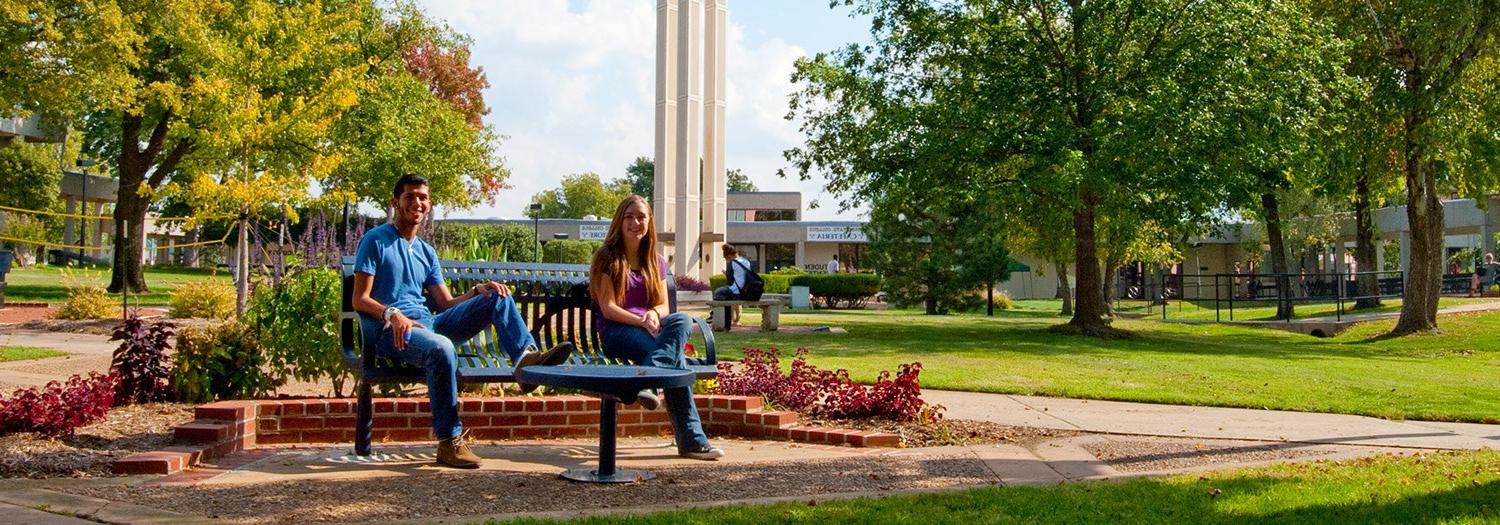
{"type": "Point", "coordinates": [296, 321]}
{"type": "Point", "coordinates": [86, 301]}
{"type": "Point", "coordinates": [789, 270]}
{"type": "Point", "coordinates": [56, 409]}
{"type": "Point", "coordinates": [775, 283]}
{"type": "Point", "coordinates": [223, 361]}
{"type": "Point", "coordinates": [206, 299]}
{"type": "Point", "coordinates": [689, 284]}
{"type": "Point", "coordinates": [1004, 302]}
{"type": "Point", "coordinates": [827, 393]}
{"type": "Point", "coordinates": [847, 290]}
{"type": "Point", "coordinates": [140, 363]}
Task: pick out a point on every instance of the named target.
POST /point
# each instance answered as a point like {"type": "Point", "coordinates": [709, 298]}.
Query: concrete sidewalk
{"type": "Point", "coordinates": [1117, 417]}
{"type": "Point", "coordinates": [86, 353]}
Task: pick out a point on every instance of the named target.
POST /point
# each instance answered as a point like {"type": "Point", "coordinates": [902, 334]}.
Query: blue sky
{"type": "Point", "coordinates": [573, 81]}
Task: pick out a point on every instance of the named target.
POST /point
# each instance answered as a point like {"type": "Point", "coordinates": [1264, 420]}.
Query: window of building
{"type": "Point", "coordinates": [775, 215]}
{"type": "Point", "coordinates": [850, 256]}
{"type": "Point", "coordinates": [736, 216]}
{"type": "Point", "coordinates": [779, 256]}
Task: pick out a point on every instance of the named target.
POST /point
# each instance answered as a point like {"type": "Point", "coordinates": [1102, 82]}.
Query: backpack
{"type": "Point", "coordinates": [754, 287]}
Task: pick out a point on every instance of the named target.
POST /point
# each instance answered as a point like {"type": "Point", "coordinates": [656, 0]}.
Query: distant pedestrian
{"type": "Point", "coordinates": [833, 264]}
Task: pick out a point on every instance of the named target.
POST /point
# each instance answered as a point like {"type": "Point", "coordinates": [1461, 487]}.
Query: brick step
{"type": "Point", "coordinates": [229, 426]}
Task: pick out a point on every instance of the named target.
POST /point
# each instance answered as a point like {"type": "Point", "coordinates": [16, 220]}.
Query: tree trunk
{"type": "Point", "coordinates": [1063, 290]}
{"type": "Point", "coordinates": [192, 251]}
{"type": "Point", "coordinates": [1368, 285]}
{"type": "Point", "coordinates": [1424, 213]}
{"type": "Point", "coordinates": [129, 242]}
{"type": "Point", "coordinates": [1107, 281]}
{"type": "Point", "coordinates": [1088, 306]}
{"type": "Point", "coordinates": [133, 164]}
{"type": "Point", "coordinates": [1279, 264]}
{"type": "Point", "coordinates": [242, 276]}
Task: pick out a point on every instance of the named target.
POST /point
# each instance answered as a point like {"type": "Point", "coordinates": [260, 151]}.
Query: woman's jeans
{"type": "Point", "coordinates": [634, 344]}
{"type": "Point", "coordinates": [432, 348]}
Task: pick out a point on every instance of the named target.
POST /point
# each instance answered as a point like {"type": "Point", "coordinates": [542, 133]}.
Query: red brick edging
{"type": "Point", "coordinates": [230, 426]}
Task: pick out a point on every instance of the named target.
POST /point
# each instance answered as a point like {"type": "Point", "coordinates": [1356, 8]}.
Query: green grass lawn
{"type": "Point", "coordinates": [45, 283]}
{"type": "Point", "coordinates": [1265, 311]}
{"type": "Point", "coordinates": [22, 353]}
{"type": "Point", "coordinates": [1452, 376]}
{"type": "Point", "coordinates": [1460, 487]}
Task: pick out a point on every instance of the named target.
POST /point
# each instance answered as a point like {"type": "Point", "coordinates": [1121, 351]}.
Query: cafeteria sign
{"type": "Point", "coordinates": [592, 232]}
{"type": "Point", "coordinates": [836, 233]}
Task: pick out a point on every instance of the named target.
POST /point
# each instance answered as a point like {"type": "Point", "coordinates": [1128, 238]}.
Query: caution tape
{"type": "Point", "coordinates": [111, 217]}
{"type": "Point", "coordinates": [48, 244]}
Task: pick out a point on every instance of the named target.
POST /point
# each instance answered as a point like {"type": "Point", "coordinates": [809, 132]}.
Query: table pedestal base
{"type": "Point", "coordinates": [623, 475]}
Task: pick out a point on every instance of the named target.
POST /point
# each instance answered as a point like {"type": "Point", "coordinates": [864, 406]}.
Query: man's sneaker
{"type": "Point", "coordinates": [648, 400]}
{"type": "Point", "coordinates": [555, 356]}
{"type": "Point", "coordinates": [455, 452]}
{"type": "Point", "coordinates": [706, 453]}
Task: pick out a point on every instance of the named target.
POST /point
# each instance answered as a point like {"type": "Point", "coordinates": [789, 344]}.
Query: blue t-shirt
{"type": "Point", "coordinates": [401, 269]}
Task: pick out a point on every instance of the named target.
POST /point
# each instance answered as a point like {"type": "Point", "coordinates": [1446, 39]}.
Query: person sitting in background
{"type": "Point", "coordinates": [1485, 275]}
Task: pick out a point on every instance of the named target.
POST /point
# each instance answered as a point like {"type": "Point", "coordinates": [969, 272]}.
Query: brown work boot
{"type": "Point", "coordinates": [455, 452]}
{"type": "Point", "coordinates": [552, 357]}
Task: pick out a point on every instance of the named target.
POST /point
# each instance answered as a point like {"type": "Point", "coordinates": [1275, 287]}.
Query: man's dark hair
{"type": "Point", "coordinates": [409, 179]}
{"type": "Point", "coordinates": [730, 250]}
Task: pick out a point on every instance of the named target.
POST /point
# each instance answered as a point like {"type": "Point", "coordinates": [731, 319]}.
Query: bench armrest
{"type": "Point", "coordinates": [350, 340]}
{"type": "Point", "coordinates": [710, 353]}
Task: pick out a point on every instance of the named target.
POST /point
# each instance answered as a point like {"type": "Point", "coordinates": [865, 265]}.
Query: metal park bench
{"type": "Point", "coordinates": [554, 300]}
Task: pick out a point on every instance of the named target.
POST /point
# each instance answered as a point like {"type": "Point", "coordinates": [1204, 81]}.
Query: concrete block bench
{"type": "Point", "coordinates": [770, 308]}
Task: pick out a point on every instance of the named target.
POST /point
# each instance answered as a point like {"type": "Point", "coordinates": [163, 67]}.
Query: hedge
{"type": "Point", "coordinates": [774, 283]}
{"type": "Point", "coordinates": [849, 290]}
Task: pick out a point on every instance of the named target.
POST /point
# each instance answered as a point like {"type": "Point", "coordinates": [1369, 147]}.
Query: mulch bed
{"type": "Point", "coordinates": [429, 496]}
{"type": "Point", "coordinates": [946, 432]}
{"type": "Point", "coordinates": [91, 449]}
{"type": "Point", "coordinates": [100, 326]}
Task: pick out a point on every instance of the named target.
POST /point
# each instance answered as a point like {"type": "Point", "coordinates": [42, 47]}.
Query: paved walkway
{"type": "Point", "coordinates": [820, 472]}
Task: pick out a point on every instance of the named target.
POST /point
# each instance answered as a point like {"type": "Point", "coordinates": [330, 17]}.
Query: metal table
{"type": "Point", "coordinates": [613, 383]}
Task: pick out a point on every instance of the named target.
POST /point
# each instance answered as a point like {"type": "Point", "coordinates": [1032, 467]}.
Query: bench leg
{"type": "Point", "coordinates": [722, 321]}
{"type": "Point", "coordinates": [770, 318]}
{"type": "Point", "coordinates": [363, 417]}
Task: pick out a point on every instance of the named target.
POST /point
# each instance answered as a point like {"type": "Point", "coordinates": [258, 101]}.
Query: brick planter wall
{"type": "Point", "coordinates": [230, 426]}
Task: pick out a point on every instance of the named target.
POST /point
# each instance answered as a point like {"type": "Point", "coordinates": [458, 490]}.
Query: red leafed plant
{"type": "Point", "coordinates": [58, 409]}
{"type": "Point", "coordinates": [828, 393]}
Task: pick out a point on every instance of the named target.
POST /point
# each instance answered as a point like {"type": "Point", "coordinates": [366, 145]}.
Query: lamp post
{"type": "Point", "coordinates": [536, 228]}
{"type": "Point", "coordinates": [559, 237]}
{"type": "Point", "coordinates": [83, 207]}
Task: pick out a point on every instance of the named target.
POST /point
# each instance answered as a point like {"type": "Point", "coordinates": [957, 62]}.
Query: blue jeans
{"type": "Point", "coordinates": [724, 293]}
{"type": "Point", "coordinates": [634, 344]}
{"type": "Point", "coordinates": [431, 347]}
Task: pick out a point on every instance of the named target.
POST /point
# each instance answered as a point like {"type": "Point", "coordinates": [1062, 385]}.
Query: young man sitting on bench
{"type": "Point", "coordinates": [392, 267]}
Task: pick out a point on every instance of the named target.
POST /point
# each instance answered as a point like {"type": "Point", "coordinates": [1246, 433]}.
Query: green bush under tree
{"type": "Point", "coordinates": [296, 322]}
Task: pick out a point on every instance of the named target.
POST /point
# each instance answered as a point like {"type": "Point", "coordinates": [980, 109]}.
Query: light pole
{"type": "Point", "coordinates": [536, 228]}
{"type": "Point", "coordinates": [84, 206]}
{"type": "Point", "coordinates": [559, 237]}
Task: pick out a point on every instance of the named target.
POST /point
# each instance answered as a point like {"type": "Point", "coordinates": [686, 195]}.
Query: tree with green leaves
{"type": "Point", "coordinates": [640, 175]}
{"type": "Point", "coordinates": [1278, 99]}
{"type": "Point", "coordinates": [1434, 68]}
{"type": "Point", "coordinates": [579, 195]}
{"type": "Point", "coordinates": [1106, 101]}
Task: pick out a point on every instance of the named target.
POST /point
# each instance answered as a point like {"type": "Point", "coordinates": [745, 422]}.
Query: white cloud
{"type": "Point", "coordinates": [574, 91]}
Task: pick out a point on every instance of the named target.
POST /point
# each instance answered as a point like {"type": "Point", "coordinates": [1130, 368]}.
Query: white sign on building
{"type": "Point", "coordinates": [592, 232]}
{"type": "Point", "coordinates": [836, 234]}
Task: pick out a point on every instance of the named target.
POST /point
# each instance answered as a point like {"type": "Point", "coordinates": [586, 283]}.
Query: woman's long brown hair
{"type": "Point", "coordinates": [609, 270]}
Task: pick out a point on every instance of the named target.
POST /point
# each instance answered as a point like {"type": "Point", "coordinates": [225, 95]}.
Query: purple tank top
{"type": "Point", "coordinates": [635, 295]}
